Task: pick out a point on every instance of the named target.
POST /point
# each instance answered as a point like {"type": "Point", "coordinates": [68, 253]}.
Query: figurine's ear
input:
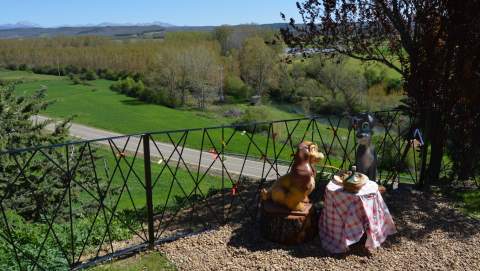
{"type": "Point", "coordinates": [370, 119]}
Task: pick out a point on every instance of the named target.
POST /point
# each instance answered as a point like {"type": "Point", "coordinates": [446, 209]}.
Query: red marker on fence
{"type": "Point", "coordinates": [214, 153]}
{"type": "Point", "coordinates": [234, 190]}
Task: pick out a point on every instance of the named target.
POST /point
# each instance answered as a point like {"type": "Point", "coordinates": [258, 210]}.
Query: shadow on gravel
{"type": "Point", "coordinates": [248, 236]}
{"type": "Point", "coordinates": [418, 214]}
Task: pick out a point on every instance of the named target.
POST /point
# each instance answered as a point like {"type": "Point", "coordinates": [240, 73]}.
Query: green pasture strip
{"type": "Point", "coordinates": [153, 261]}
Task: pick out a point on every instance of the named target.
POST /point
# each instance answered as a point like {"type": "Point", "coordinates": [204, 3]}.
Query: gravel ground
{"type": "Point", "coordinates": [431, 236]}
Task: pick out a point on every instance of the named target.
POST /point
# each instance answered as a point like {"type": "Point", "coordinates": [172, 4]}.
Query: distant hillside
{"type": "Point", "coordinates": [18, 25]}
{"type": "Point", "coordinates": [114, 31]}
{"type": "Point", "coordinates": [109, 31]}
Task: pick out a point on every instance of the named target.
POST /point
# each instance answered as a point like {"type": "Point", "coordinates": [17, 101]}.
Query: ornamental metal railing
{"type": "Point", "coordinates": [77, 204]}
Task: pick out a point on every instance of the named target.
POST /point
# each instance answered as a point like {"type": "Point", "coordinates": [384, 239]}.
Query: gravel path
{"type": "Point", "coordinates": [431, 236]}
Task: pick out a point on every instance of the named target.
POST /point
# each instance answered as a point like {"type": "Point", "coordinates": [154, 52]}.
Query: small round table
{"type": "Point", "coordinates": [346, 217]}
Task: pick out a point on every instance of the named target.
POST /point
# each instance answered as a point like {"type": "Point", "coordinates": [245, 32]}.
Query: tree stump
{"type": "Point", "coordinates": [281, 225]}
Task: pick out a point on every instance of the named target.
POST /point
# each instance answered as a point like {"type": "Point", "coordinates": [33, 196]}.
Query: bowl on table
{"type": "Point", "coordinates": [350, 183]}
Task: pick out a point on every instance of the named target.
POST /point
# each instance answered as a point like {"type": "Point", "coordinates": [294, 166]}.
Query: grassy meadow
{"type": "Point", "coordinates": [153, 261]}
{"type": "Point", "coordinates": [97, 106]}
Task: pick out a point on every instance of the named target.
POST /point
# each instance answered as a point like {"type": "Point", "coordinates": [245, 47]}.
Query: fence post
{"type": "Point", "coordinates": [148, 189]}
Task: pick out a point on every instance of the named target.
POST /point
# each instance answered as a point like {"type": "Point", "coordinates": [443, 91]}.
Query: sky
{"type": "Point", "coordinates": [50, 13]}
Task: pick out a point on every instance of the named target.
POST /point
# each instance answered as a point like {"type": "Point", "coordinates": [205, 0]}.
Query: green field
{"type": "Point", "coordinates": [23, 76]}
{"type": "Point", "coordinates": [96, 105]}
{"type": "Point", "coordinates": [164, 183]}
{"type": "Point", "coordinates": [153, 261]}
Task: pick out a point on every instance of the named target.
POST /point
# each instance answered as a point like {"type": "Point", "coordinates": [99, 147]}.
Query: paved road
{"type": "Point", "coordinates": [191, 157]}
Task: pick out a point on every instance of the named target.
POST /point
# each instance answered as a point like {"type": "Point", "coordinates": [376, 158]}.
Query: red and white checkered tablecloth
{"type": "Point", "coordinates": [347, 216]}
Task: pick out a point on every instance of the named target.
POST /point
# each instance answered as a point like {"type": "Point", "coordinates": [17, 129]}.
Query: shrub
{"type": "Point", "coordinates": [254, 114]}
{"type": "Point", "coordinates": [107, 74]}
{"type": "Point", "coordinates": [29, 238]}
{"type": "Point", "coordinates": [88, 75]}
{"type": "Point", "coordinates": [48, 70]}
{"type": "Point", "coordinates": [70, 69]}
{"type": "Point", "coordinates": [124, 74]}
{"type": "Point", "coordinates": [110, 75]}
{"type": "Point", "coordinates": [236, 88]}
{"type": "Point", "coordinates": [130, 87]}
{"type": "Point", "coordinates": [77, 81]}
{"type": "Point", "coordinates": [373, 77]}
{"type": "Point", "coordinates": [233, 113]}
{"type": "Point", "coordinates": [394, 85]}
{"type": "Point", "coordinates": [327, 107]}
{"type": "Point", "coordinates": [12, 67]}
{"type": "Point", "coordinates": [389, 157]}
{"type": "Point", "coordinates": [23, 67]}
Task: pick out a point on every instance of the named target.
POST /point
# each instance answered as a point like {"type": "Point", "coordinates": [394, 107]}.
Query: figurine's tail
{"type": "Point", "coordinates": [265, 194]}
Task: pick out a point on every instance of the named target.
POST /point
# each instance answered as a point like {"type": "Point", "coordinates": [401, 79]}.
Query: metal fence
{"type": "Point", "coordinates": [110, 197]}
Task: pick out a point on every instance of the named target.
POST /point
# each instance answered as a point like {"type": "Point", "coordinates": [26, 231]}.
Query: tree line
{"type": "Point", "coordinates": [228, 65]}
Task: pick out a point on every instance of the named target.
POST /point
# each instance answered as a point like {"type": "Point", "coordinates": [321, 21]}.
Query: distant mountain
{"type": "Point", "coordinates": [19, 25]}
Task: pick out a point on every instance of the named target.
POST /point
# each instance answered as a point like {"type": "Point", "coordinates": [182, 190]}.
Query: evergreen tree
{"type": "Point", "coordinates": [34, 183]}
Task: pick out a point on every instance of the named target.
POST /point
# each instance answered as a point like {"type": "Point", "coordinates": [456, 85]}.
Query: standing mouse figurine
{"type": "Point", "coordinates": [365, 158]}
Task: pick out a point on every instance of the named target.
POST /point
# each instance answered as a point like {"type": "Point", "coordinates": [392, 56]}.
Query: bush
{"type": "Point", "coordinates": [130, 87]}
{"type": "Point", "coordinates": [88, 75]}
{"type": "Point", "coordinates": [12, 67]}
{"type": "Point", "coordinates": [70, 69]}
{"type": "Point", "coordinates": [389, 157]}
{"type": "Point", "coordinates": [77, 81]}
{"type": "Point", "coordinates": [373, 77]}
{"type": "Point", "coordinates": [29, 237]}
{"type": "Point", "coordinates": [236, 88]}
{"type": "Point", "coordinates": [394, 85]}
{"type": "Point", "coordinates": [47, 70]}
{"type": "Point", "coordinates": [327, 107]}
{"type": "Point", "coordinates": [108, 74]}
{"type": "Point", "coordinates": [254, 114]}
{"type": "Point", "coordinates": [23, 67]}
{"type": "Point", "coordinates": [233, 113]}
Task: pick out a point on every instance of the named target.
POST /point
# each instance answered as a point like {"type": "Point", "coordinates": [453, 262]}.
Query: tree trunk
{"type": "Point", "coordinates": [437, 149]}
{"type": "Point", "coordinates": [434, 144]}
{"type": "Point", "coordinates": [281, 225]}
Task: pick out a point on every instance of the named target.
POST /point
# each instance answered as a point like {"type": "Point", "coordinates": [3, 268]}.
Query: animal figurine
{"type": "Point", "coordinates": [365, 158]}
{"type": "Point", "coordinates": [292, 189]}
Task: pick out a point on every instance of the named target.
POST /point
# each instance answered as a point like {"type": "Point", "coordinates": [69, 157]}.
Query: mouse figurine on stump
{"type": "Point", "coordinates": [287, 215]}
